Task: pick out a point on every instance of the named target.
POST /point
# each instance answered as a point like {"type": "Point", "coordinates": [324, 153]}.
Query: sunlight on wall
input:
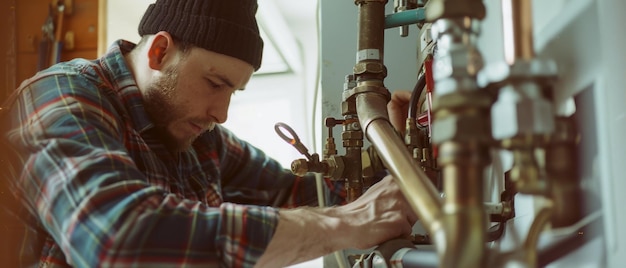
{"type": "Point", "coordinates": [253, 120]}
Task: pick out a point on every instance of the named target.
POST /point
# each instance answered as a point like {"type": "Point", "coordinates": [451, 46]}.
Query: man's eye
{"type": "Point", "coordinates": [213, 84]}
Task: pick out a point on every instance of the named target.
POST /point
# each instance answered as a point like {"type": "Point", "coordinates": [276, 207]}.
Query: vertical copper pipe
{"type": "Point", "coordinates": [518, 30]}
{"type": "Point", "coordinates": [102, 28]}
{"type": "Point", "coordinates": [368, 73]}
{"type": "Point", "coordinates": [371, 25]}
{"type": "Point", "coordinates": [523, 29]}
{"type": "Point", "coordinates": [371, 106]}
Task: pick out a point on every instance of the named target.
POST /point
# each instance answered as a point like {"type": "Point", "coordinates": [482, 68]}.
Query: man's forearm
{"type": "Point", "coordinates": [303, 234]}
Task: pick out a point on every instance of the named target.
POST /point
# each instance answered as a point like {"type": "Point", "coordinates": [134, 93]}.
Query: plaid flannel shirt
{"type": "Point", "coordinates": [98, 187]}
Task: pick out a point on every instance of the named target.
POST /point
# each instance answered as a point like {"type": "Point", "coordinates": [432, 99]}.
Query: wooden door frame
{"type": "Point", "coordinates": [102, 27]}
{"type": "Point", "coordinates": [11, 52]}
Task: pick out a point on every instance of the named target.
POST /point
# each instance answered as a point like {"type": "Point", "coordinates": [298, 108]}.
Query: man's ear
{"type": "Point", "coordinates": [161, 50]}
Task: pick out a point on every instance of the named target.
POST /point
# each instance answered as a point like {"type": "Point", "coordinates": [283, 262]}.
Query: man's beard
{"type": "Point", "coordinates": [159, 103]}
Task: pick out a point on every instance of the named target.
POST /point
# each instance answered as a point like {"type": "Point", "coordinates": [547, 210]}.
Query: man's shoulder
{"type": "Point", "coordinates": [78, 80]}
{"type": "Point", "coordinates": [71, 74]}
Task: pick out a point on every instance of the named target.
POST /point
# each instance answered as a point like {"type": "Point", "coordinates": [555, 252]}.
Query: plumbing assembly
{"type": "Point", "coordinates": [461, 113]}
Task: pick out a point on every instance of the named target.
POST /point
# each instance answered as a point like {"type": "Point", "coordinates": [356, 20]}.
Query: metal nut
{"type": "Point", "coordinates": [335, 167]}
{"type": "Point", "coordinates": [461, 127]}
{"type": "Point", "coordinates": [515, 115]}
{"type": "Point", "coordinates": [300, 167]}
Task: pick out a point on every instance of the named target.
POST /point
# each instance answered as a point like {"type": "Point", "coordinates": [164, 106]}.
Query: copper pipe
{"type": "Point", "coordinates": [523, 27]}
{"type": "Point", "coordinates": [371, 25]}
{"type": "Point", "coordinates": [518, 30]}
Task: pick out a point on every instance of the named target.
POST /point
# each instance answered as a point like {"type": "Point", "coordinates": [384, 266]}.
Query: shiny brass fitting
{"type": "Point", "coordinates": [336, 167]}
{"type": "Point", "coordinates": [300, 167]}
{"type": "Point", "coordinates": [526, 173]}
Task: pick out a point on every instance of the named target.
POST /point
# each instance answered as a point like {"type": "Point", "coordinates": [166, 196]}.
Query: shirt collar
{"type": "Point", "coordinates": [124, 84]}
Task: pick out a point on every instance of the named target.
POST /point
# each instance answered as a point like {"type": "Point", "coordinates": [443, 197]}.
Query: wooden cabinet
{"type": "Point", "coordinates": [22, 22]}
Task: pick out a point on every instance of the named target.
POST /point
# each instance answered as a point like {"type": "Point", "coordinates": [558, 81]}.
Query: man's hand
{"type": "Point", "coordinates": [381, 214]}
{"type": "Point", "coordinates": [398, 109]}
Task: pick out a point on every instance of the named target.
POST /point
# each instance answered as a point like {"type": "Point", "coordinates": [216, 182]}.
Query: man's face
{"type": "Point", "coordinates": [192, 94]}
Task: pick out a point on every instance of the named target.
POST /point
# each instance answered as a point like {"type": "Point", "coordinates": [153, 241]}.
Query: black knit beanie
{"type": "Point", "coordinates": [227, 27]}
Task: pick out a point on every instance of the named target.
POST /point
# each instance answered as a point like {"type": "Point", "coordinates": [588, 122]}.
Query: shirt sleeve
{"type": "Point", "coordinates": [252, 177]}
{"type": "Point", "coordinates": [86, 192]}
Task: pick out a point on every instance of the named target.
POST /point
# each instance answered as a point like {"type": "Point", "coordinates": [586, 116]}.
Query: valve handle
{"type": "Point", "coordinates": [294, 140]}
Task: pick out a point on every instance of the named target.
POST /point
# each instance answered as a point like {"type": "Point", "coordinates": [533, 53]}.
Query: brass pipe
{"type": "Point", "coordinates": [518, 29]}
{"type": "Point", "coordinates": [463, 165]}
{"type": "Point", "coordinates": [369, 69]}
{"type": "Point", "coordinates": [539, 223]}
{"type": "Point", "coordinates": [353, 173]}
{"type": "Point", "coordinates": [523, 29]}
{"type": "Point", "coordinates": [370, 41]}
{"type": "Point", "coordinates": [415, 184]}
{"type": "Point", "coordinates": [461, 130]}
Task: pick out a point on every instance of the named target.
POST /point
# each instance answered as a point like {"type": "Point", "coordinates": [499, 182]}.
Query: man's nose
{"type": "Point", "coordinates": [220, 110]}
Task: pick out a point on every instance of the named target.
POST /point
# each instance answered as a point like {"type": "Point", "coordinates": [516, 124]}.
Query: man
{"type": "Point", "coordinates": [121, 161]}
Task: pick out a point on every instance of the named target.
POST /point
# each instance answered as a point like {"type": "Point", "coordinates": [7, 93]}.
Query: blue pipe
{"type": "Point", "coordinates": [407, 17]}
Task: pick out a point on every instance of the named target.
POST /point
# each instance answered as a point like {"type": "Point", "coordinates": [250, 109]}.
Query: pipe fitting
{"type": "Point", "coordinates": [370, 67]}
{"type": "Point", "coordinates": [335, 167]}
{"type": "Point", "coordinates": [442, 9]}
{"type": "Point", "coordinates": [465, 127]}
{"type": "Point", "coordinates": [457, 61]}
{"type": "Point", "coordinates": [526, 173]}
{"type": "Point", "coordinates": [377, 108]}
{"type": "Point", "coordinates": [521, 111]}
